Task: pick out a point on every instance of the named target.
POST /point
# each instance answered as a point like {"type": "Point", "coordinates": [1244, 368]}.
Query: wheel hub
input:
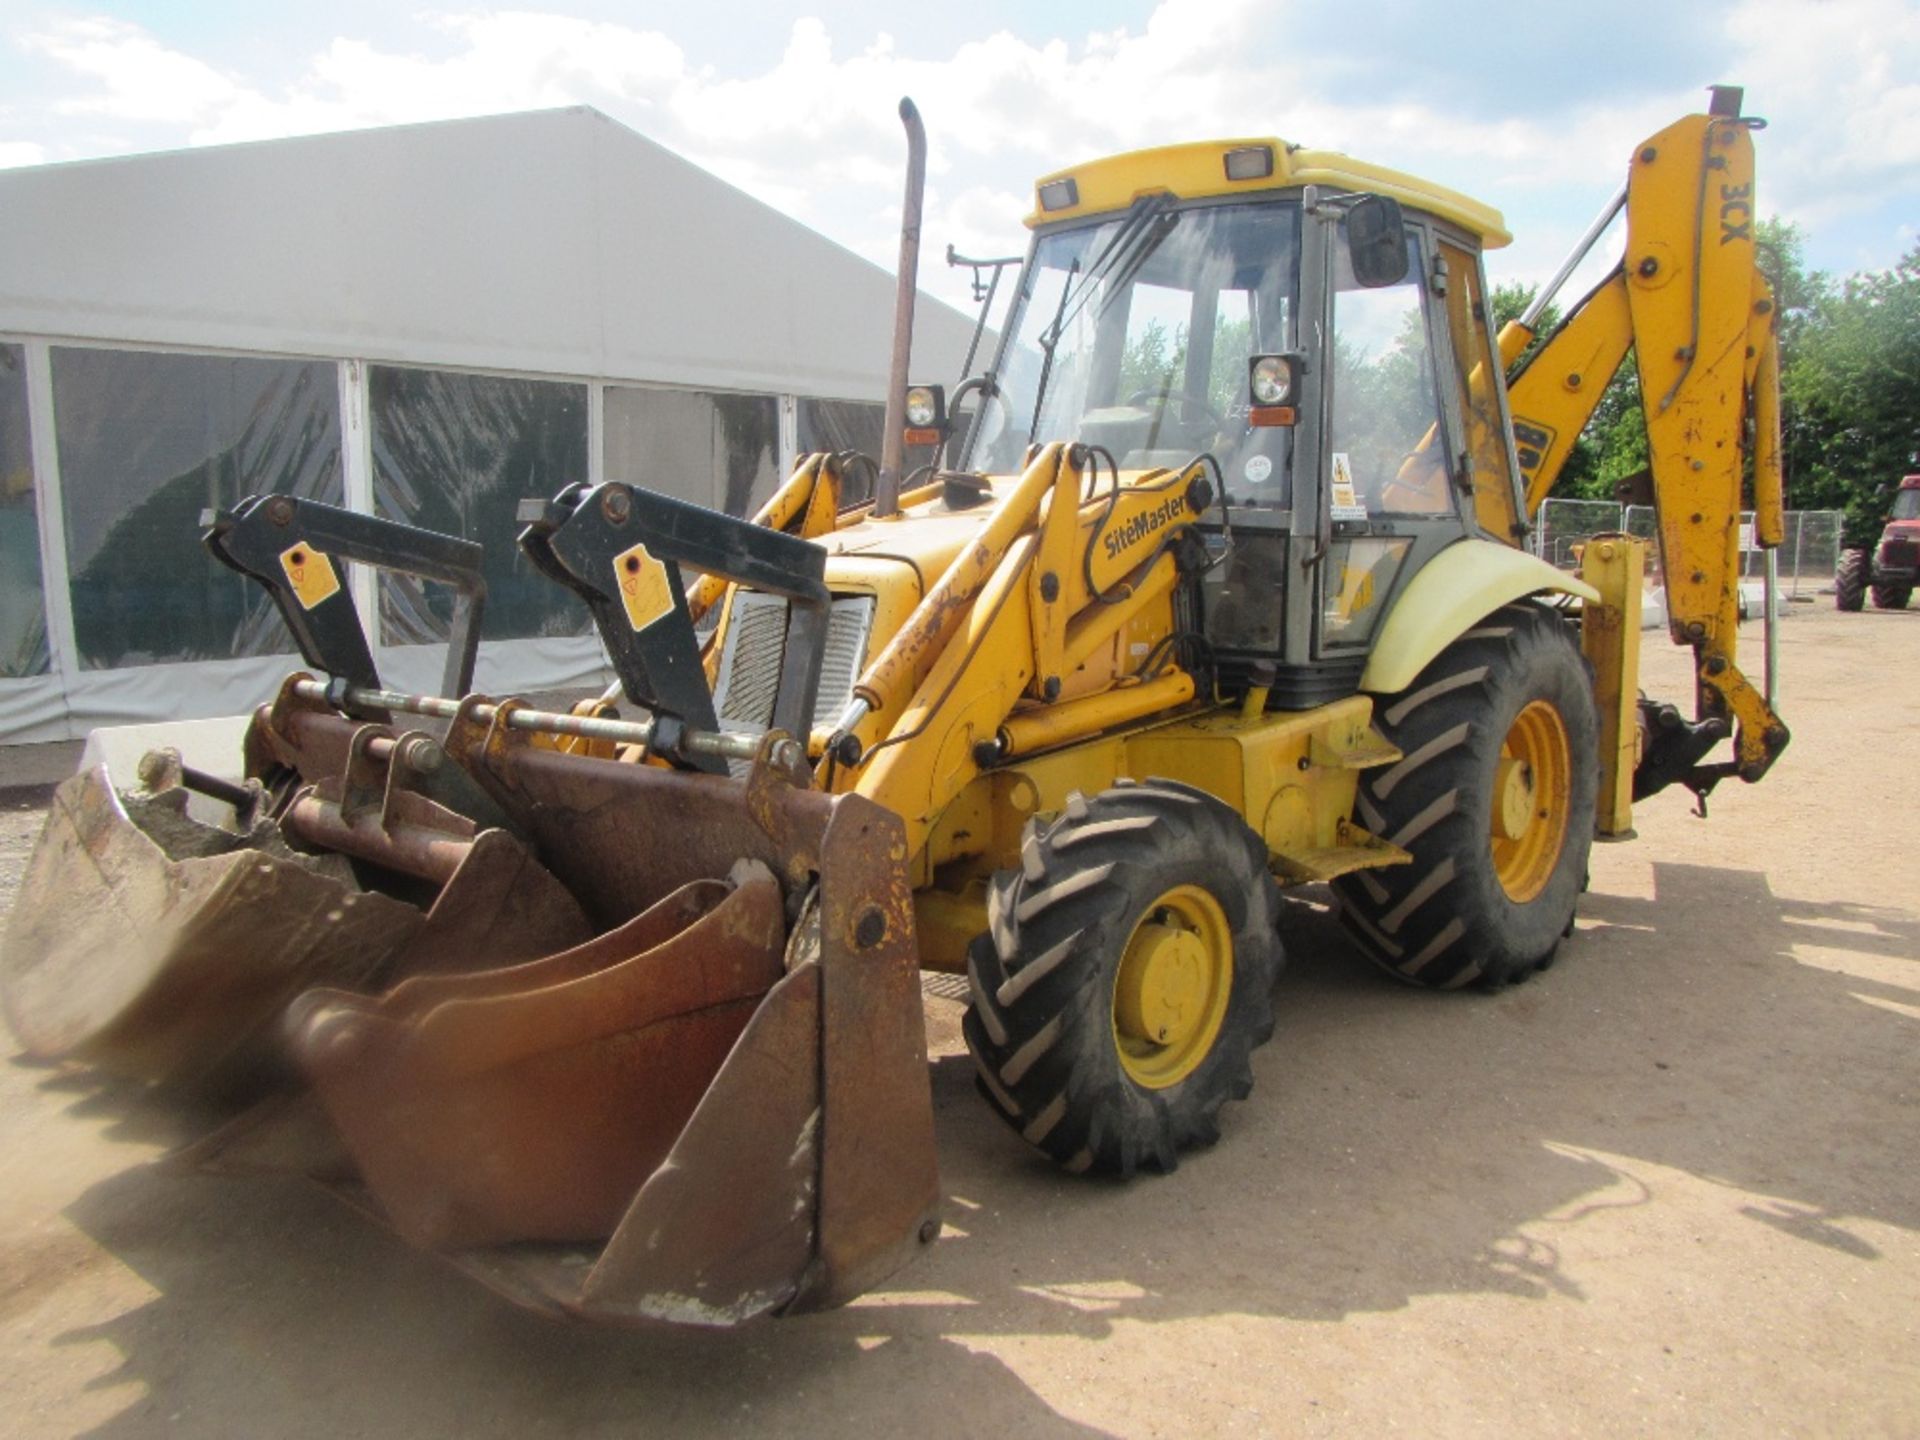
{"type": "Point", "coordinates": [1171, 988]}
{"type": "Point", "coordinates": [1513, 797]}
{"type": "Point", "coordinates": [1163, 985]}
{"type": "Point", "coordinates": [1532, 792]}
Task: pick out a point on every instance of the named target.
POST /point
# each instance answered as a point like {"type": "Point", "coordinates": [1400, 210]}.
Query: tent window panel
{"type": "Point", "coordinates": [23, 607]}
{"type": "Point", "coordinates": [836, 425]}
{"type": "Point", "coordinates": [720, 451]}
{"type": "Point", "coordinates": [149, 440]}
{"type": "Point", "coordinates": [456, 453]}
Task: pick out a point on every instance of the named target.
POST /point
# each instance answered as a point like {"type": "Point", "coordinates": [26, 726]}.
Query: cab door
{"type": "Point", "coordinates": [1391, 477]}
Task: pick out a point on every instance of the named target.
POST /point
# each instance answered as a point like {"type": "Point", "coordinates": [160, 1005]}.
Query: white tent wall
{"type": "Point", "coordinates": [556, 243]}
{"type": "Point", "coordinates": [552, 254]}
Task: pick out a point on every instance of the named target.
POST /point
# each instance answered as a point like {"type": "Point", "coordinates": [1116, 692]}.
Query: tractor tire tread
{"type": "Point", "coordinates": [1443, 921]}
{"type": "Point", "coordinates": [1040, 1023]}
{"type": "Point", "coordinates": [1850, 579]}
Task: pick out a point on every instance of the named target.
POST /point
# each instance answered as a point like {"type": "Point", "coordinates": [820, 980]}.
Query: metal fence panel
{"type": "Point", "coordinates": [1809, 549]}
{"type": "Point", "coordinates": [1566, 525]}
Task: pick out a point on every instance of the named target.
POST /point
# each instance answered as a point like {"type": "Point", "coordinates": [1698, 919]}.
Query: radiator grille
{"type": "Point", "coordinates": [756, 645]}
{"type": "Point", "coordinates": [750, 664]}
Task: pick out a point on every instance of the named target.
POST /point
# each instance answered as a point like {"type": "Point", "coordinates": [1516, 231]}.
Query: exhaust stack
{"type": "Point", "coordinates": [886, 489]}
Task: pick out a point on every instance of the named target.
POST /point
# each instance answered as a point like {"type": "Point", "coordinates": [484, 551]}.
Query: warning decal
{"type": "Point", "coordinates": [644, 589]}
{"type": "Point", "coordinates": [311, 575]}
{"type": "Point", "coordinates": [1346, 503]}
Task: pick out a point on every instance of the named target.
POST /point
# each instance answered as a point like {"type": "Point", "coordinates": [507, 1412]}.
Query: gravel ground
{"type": "Point", "coordinates": [1671, 1186]}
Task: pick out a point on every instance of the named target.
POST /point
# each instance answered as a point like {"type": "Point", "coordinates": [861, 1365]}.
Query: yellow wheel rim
{"type": "Point", "coordinates": [1532, 793]}
{"type": "Point", "coordinates": [1171, 990]}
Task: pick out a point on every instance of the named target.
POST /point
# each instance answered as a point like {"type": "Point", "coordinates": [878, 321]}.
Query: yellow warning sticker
{"type": "Point", "coordinates": [311, 574]}
{"type": "Point", "coordinates": [644, 588]}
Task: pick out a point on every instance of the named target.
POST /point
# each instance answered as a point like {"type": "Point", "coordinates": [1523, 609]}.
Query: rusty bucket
{"type": "Point", "coordinates": [157, 947]}
{"type": "Point", "coordinates": [714, 1110]}
{"type": "Point", "coordinates": [621, 1042]}
{"type": "Point", "coordinates": [166, 949]}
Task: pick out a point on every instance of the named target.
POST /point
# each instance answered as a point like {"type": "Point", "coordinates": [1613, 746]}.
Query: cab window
{"type": "Point", "coordinates": [1386, 439]}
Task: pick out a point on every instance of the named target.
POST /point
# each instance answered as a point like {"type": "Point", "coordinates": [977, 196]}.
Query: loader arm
{"type": "Point", "coordinates": [1690, 301]}
{"type": "Point", "coordinates": [986, 665]}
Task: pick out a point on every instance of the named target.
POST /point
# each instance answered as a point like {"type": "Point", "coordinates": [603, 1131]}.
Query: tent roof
{"type": "Point", "coordinates": [553, 241]}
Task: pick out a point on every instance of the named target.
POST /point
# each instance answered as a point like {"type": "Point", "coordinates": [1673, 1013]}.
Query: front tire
{"type": "Point", "coordinates": [1892, 596]}
{"type": "Point", "coordinates": [1494, 798]}
{"type": "Point", "coordinates": [1850, 579]}
{"type": "Point", "coordinates": [1126, 977]}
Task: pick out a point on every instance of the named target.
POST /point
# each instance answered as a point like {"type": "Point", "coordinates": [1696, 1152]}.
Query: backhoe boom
{"type": "Point", "coordinates": [1689, 300]}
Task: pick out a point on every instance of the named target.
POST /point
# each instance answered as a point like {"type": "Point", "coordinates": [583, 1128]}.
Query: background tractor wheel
{"type": "Point", "coordinates": [1891, 597]}
{"type": "Point", "coordinates": [1495, 801]}
{"type": "Point", "coordinates": [1126, 976]}
{"type": "Point", "coordinates": [1850, 579]}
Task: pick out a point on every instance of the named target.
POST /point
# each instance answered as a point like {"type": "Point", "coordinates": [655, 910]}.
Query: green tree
{"type": "Point", "coordinates": [1850, 381]}
{"type": "Point", "coordinates": [1154, 359]}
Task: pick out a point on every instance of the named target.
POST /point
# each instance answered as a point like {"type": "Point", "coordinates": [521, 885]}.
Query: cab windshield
{"type": "Point", "coordinates": [1134, 335]}
{"type": "Point", "coordinates": [1906, 505]}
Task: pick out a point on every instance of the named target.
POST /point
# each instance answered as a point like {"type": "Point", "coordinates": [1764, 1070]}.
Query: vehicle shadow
{"type": "Point", "coordinates": [1398, 1145]}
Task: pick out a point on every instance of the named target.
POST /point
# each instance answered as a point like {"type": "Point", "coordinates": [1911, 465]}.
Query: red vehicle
{"type": "Point", "coordinates": [1890, 569]}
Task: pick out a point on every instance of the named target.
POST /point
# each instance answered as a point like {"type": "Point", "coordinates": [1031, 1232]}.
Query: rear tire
{"type": "Point", "coordinates": [1149, 900]}
{"type": "Point", "coordinates": [1892, 597]}
{"type": "Point", "coordinates": [1494, 798]}
{"type": "Point", "coordinates": [1850, 579]}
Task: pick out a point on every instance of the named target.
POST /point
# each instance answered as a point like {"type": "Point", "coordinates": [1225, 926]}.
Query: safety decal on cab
{"type": "Point", "coordinates": [1345, 503]}
{"type": "Point", "coordinates": [310, 573]}
{"type": "Point", "coordinates": [644, 588]}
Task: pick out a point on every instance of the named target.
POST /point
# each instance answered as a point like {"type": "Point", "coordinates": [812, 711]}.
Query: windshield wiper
{"type": "Point", "coordinates": [1149, 221]}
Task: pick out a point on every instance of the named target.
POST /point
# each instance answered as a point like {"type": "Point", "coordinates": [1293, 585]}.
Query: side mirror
{"type": "Point", "coordinates": [1377, 241]}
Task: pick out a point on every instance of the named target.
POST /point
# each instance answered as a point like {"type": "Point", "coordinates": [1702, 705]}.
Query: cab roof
{"type": "Point", "coordinates": [1198, 171]}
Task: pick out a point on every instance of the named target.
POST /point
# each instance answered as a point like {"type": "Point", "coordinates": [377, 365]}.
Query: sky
{"type": "Point", "coordinates": [1534, 108]}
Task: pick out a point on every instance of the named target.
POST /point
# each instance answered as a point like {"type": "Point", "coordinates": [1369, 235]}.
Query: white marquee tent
{"type": "Point", "coordinates": [426, 322]}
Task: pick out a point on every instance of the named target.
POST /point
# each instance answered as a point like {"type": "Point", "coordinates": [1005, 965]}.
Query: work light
{"type": "Point", "coordinates": [926, 414]}
{"type": "Point", "coordinates": [1270, 379]}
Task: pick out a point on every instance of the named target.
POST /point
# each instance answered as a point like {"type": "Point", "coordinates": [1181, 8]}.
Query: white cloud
{"type": "Point", "coordinates": [1838, 80]}
{"type": "Point", "coordinates": [21, 152]}
{"type": "Point", "coordinates": [814, 134]}
{"type": "Point", "coordinates": [139, 78]}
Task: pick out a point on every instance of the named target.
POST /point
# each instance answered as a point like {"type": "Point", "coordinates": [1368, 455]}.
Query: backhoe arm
{"type": "Point", "coordinates": [1690, 301]}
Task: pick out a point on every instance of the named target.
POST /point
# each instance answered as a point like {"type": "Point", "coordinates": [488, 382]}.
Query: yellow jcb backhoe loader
{"type": "Point", "coordinates": [1219, 586]}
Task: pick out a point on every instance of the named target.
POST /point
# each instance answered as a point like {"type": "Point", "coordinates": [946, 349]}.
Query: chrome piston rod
{"type": "Point", "coordinates": [1544, 296]}
{"type": "Point", "coordinates": [725, 744]}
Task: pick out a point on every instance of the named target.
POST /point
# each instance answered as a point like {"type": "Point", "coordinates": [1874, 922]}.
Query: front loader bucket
{"type": "Point", "coordinates": [165, 949]}
{"type": "Point", "coordinates": [157, 947]}
{"type": "Point", "coordinates": [716, 1109]}
{"type": "Point", "coordinates": [531, 1103]}
{"type": "Point", "coordinates": [621, 1042]}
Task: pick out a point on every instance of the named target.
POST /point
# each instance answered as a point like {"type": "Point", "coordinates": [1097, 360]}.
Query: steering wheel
{"type": "Point", "coordinates": [1185, 400]}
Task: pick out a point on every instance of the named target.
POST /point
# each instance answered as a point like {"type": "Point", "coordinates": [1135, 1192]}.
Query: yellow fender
{"type": "Point", "coordinates": [1464, 583]}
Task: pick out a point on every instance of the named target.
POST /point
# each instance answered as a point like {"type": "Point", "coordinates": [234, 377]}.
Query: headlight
{"type": "Point", "coordinates": [1270, 379]}
{"type": "Point", "coordinates": [923, 408]}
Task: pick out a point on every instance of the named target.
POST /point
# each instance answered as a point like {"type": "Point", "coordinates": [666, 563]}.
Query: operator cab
{"type": "Point", "coordinates": [1315, 333]}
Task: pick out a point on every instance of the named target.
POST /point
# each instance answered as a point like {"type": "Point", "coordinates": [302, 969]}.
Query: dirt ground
{"type": "Point", "coordinates": [1671, 1186]}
